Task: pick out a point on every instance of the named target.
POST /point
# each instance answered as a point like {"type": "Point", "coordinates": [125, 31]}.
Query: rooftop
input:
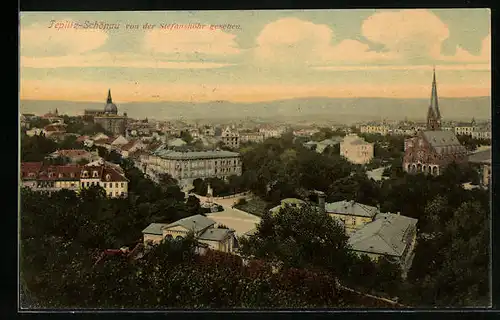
{"type": "Point", "coordinates": [215, 234]}
{"type": "Point", "coordinates": [180, 155]}
{"type": "Point", "coordinates": [351, 208]}
{"type": "Point", "coordinates": [195, 223]}
{"type": "Point", "coordinates": [155, 228]}
{"type": "Point", "coordinates": [441, 138]}
{"type": "Point", "coordinates": [386, 235]}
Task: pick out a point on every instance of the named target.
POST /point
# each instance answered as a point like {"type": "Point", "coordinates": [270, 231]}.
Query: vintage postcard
{"type": "Point", "coordinates": [255, 159]}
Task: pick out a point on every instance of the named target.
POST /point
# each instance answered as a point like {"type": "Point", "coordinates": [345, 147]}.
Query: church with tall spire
{"type": "Point", "coordinates": [433, 114]}
{"type": "Point", "coordinates": [433, 149]}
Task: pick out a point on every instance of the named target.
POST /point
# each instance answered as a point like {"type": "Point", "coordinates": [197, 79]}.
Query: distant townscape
{"type": "Point", "coordinates": [148, 213]}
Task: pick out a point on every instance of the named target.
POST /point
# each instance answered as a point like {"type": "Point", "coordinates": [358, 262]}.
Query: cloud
{"type": "Point", "coordinates": [39, 39]}
{"type": "Point", "coordinates": [293, 42]}
{"type": "Point", "coordinates": [445, 67]}
{"type": "Point", "coordinates": [214, 42]}
{"type": "Point", "coordinates": [410, 33]}
{"type": "Point", "coordinates": [114, 60]}
{"type": "Point", "coordinates": [464, 56]}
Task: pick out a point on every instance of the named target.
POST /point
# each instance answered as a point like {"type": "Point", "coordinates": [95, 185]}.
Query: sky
{"type": "Point", "coordinates": [254, 55]}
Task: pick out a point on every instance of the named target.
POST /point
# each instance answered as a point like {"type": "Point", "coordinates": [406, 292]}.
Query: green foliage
{"type": "Point", "coordinates": [36, 148]}
{"type": "Point", "coordinates": [452, 268]}
{"type": "Point", "coordinates": [299, 238]}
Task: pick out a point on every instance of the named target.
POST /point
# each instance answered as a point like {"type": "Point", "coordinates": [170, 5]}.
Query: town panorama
{"type": "Point", "coordinates": [328, 166]}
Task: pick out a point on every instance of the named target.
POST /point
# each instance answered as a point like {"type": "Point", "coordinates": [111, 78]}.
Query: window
{"type": "Point", "coordinates": [108, 177]}
{"type": "Point", "coordinates": [85, 174]}
{"type": "Point", "coordinates": [116, 184]}
{"type": "Point", "coordinates": [95, 174]}
{"type": "Point", "coordinates": [123, 184]}
{"type": "Point", "coordinates": [105, 185]}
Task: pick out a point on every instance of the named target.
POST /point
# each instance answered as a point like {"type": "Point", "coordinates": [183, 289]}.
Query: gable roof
{"type": "Point", "coordinates": [214, 234]}
{"type": "Point", "coordinates": [30, 169]}
{"type": "Point", "coordinates": [386, 235]}
{"type": "Point", "coordinates": [351, 208]}
{"type": "Point", "coordinates": [154, 228]}
{"type": "Point", "coordinates": [195, 223]}
{"type": "Point", "coordinates": [441, 138]}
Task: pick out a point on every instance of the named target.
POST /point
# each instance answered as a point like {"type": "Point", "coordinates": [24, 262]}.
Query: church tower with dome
{"type": "Point", "coordinates": [110, 120]}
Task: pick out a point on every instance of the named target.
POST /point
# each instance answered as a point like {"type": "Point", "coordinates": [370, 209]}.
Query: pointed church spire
{"type": "Point", "coordinates": [434, 97]}
{"type": "Point", "coordinates": [109, 97]}
{"type": "Point", "coordinates": [433, 114]}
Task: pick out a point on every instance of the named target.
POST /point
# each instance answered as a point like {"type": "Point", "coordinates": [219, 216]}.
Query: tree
{"type": "Point", "coordinates": [186, 136]}
{"type": "Point", "coordinates": [193, 205]}
{"type": "Point", "coordinates": [300, 238]}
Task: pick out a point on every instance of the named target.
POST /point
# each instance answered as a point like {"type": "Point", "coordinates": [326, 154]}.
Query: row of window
{"type": "Point", "coordinates": [105, 185]}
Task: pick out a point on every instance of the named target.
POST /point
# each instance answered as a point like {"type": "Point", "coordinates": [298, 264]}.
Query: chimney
{"type": "Point", "coordinates": [321, 201]}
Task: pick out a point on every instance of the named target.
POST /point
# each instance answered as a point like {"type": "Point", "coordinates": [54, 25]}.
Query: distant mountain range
{"type": "Point", "coordinates": [335, 110]}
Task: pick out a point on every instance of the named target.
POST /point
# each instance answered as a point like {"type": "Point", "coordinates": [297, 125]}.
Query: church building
{"type": "Point", "coordinates": [110, 120]}
{"type": "Point", "coordinates": [431, 150]}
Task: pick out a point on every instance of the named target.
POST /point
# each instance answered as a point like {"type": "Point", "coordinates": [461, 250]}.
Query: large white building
{"type": "Point", "coordinates": [190, 165]}
{"type": "Point", "coordinates": [356, 150]}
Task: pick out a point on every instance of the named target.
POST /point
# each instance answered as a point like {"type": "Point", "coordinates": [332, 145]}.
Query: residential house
{"type": "Point", "coordinates": [390, 235]}
{"type": "Point", "coordinates": [203, 229]}
{"type": "Point", "coordinates": [54, 129]}
{"type": "Point", "coordinates": [356, 150]}
{"type": "Point", "coordinates": [353, 215]}
{"type": "Point", "coordinates": [131, 147]}
{"type": "Point", "coordinates": [230, 138]}
{"type": "Point", "coordinates": [107, 175]}
{"type": "Point", "coordinates": [119, 141]}
{"type": "Point", "coordinates": [483, 158]}
{"type": "Point", "coordinates": [29, 173]}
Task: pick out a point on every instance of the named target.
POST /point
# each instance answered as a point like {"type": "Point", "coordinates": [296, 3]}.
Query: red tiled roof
{"type": "Point", "coordinates": [30, 168]}
{"type": "Point", "coordinates": [129, 145]}
{"type": "Point", "coordinates": [61, 173]}
{"type": "Point", "coordinates": [105, 172]}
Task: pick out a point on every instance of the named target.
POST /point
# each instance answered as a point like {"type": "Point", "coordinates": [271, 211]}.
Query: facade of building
{"type": "Point", "coordinates": [375, 129]}
{"type": "Point", "coordinates": [110, 120]}
{"type": "Point", "coordinates": [230, 138]}
{"type": "Point", "coordinates": [353, 215]}
{"type": "Point", "coordinates": [203, 229]}
{"type": "Point", "coordinates": [190, 165]}
{"type": "Point", "coordinates": [252, 137]}
{"type": "Point", "coordinates": [356, 150]}
{"type": "Point", "coordinates": [430, 151]}
{"type": "Point", "coordinates": [48, 178]}
{"type": "Point", "coordinates": [106, 175]}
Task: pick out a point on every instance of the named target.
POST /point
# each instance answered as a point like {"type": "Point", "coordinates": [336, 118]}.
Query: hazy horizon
{"type": "Point", "coordinates": [317, 109]}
